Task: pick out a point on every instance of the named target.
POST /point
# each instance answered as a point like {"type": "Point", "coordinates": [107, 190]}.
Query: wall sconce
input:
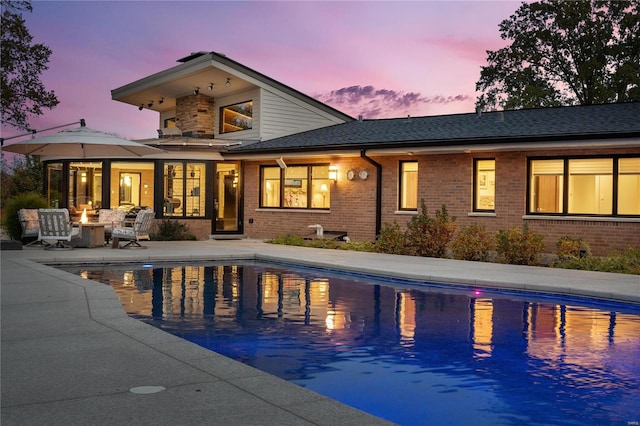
{"type": "Point", "coordinates": [333, 173]}
{"type": "Point", "coordinates": [210, 87]}
{"type": "Point", "coordinates": [228, 83]}
{"type": "Point", "coordinates": [140, 107]}
{"type": "Point", "coordinates": [160, 101]}
{"type": "Point", "coordinates": [150, 104]}
{"type": "Point", "coordinates": [196, 90]}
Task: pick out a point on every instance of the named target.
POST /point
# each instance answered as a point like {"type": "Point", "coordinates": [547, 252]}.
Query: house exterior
{"type": "Point", "coordinates": [248, 155]}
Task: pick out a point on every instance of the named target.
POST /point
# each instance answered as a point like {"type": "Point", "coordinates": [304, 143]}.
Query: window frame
{"type": "Point", "coordinates": [193, 172]}
{"type": "Point", "coordinates": [566, 185]}
{"type": "Point", "coordinates": [401, 183]}
{"type": "Point", "coordinates": [309, 188]}
{"type": "Point", "coordinates": [227, 107]}
{"type": "Point", "coordinates": [475, 191]}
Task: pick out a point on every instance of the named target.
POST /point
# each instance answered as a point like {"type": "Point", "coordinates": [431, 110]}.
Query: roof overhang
{"type": "Point", "coordinates": [200, 70]}
{"type": "Point", "coordinates": [429, 148]}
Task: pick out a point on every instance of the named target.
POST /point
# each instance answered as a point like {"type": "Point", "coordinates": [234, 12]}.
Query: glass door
{"type": "Point", "coordinates": [227, 199]}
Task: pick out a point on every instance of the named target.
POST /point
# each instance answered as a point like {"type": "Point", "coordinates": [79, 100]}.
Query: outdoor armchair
{"type": "Point", "coordinates": [139, 231]}
{"type": "Point", "coordinates": [55, 225]}
{"type": "Point", "coordinates": [30, 226]}
{"type": "Point", "coordinates": [111, 218]}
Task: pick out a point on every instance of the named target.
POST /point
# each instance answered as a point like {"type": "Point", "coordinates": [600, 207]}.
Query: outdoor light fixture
{"type": "Point", "coordinates": [160, 101]}
{"type": "Point", "coordinates": [281, 163]}
{"type": "Point", "coordinates": [196, 91]}
{"type": "Point", "coordinates": [150, 104]}
{"type": "Point", "coordinates": [140, 107]}
{"type": "Point", "coordinates": [228, 83]}
{"type": "Point", "coordinates": [210, 87]}
{"type": "Point", "coordinates": [333, 173]}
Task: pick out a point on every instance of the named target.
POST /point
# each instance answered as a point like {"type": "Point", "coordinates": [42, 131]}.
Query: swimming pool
{"type": "Point", "coordinates": [412, 355]}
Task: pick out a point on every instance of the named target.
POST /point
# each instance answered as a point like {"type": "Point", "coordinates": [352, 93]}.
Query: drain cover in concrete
{"type": "Point", "coordinates": [146, 390]}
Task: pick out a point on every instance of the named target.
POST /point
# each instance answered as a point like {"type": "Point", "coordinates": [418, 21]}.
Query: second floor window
{"type": "Point", "coordinates": [236, 117]}
{"type": "Point", "coordinates": [296, 187]}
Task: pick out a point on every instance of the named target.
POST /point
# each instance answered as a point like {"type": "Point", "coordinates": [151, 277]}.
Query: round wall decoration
{"type": "Point", "coordinates": [363, 174]}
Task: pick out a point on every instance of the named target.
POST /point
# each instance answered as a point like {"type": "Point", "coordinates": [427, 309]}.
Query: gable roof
{"type": "Point", "coordinates": [621, 120]}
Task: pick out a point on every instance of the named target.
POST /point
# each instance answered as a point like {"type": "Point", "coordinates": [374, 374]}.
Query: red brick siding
{"type": "Point", "coordinates": [442, 179]}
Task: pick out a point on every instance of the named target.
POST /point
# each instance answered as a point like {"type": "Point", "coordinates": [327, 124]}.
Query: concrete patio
{"type": "Point", "coordinates": [71, 356]}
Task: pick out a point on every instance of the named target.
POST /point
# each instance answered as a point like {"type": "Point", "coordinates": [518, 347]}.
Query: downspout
{"type": "Point", "coordinates": [378, 166]}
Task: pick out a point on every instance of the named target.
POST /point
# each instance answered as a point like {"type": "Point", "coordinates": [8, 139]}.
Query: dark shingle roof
{"type": "Point", "coordinates": [527, 125]}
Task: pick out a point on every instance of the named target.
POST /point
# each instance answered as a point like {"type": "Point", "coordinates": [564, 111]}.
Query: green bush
{"type": "Point", "coordinates": [626, 262]}
{"type": "Point", "coordinates": [289, 240]}
{"type": "Point", "coordinates": [430, 236]}
{"type": "Point", "coordinates": [391, 239]}
{"type": "Point", "coordinates": [568, 247]}
{"type": "Point", "coordinates": [472, 242]}
{"type": "Point", "coordinates": [10, 219]}
{"type": "Point", "coordinates": [367, 246]}
{"type": "Point", "coordinates": [519, 247]}
{"type": "Point", "coordinates": [320, 243]}
{"type": "Point", "coordinates": [173, 230]}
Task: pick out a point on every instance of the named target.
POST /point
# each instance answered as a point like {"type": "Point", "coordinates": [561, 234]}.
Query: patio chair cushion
{"type": "Point", "coordinates": [139, 231]}
{"type": "Point", "coordinates": [111, 218]}
{"type": "Point", "coordinates": [29, 222]}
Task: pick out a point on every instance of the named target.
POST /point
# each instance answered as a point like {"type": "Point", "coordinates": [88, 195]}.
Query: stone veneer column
{"type": "Point", "coordinates": [196, 114]}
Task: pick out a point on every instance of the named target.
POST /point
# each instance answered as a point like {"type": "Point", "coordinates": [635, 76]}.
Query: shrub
{"type": "Point", "coordinates": [320, 243]}
{"type": "Point", "coordinates": [430, 236]}
{"type": "Point", "coordinates": [173, 230]}
{"type": "Point", "coordinates": [519, 247]}
{"type": "Point", "coordinates": [10, 219]}
{"type": "Point", "coordinates": [367, 246]}
{"type": "Point", "coordinates": [391, 239]}
{"type": "Point", "coordinates": [568, 247]}
{"type": "Point", "coordinates": [626, 262]}
{"type": "Point", "coordinates": [289, 240]}
{"type": "Point", "coordinates": [472, 242]}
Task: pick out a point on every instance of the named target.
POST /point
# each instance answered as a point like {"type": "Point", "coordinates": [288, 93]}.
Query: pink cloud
{"type": "Point", "coordinates": [384, 103]}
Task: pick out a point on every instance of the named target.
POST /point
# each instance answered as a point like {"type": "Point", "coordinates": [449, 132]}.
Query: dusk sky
{"type": "Point", "coordinates": [379, 59]}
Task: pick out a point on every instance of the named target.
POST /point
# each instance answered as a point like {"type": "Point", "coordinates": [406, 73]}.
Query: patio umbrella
{"type": "Point", "coordinates": [81, 142]}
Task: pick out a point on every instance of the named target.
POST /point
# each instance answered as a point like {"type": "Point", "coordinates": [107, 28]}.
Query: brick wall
{"type": "Point", "coordinates": [442, 179]}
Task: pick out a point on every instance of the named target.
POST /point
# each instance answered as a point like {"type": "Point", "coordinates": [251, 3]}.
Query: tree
{"type": "Point", "coordinates": [23, 94]}
{"type": "Point", "coordinates": [24, 175]}
{"type": "Point", "coordinates": [564, 53]}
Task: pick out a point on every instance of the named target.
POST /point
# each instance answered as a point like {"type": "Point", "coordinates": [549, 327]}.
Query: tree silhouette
{"type": "Point", "coordinates": [22, 62]}
{"type": "Point", "coordinates": [564, 53]}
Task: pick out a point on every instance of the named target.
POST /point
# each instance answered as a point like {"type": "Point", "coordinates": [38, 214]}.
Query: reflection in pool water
{"type": "Point", "coordinates": [412, 355]}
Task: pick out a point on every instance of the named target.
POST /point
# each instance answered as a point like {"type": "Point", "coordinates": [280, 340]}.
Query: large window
{"type": "Point", "coordinates": [85, 186]}
{"type": "Point", "coordinates": [236, 117]}
{"type": "Point", "coordinates": [132, 184]}
{"type": "Point", "coordinates": [629, 186]}
{"type": "Point", "coordinates": [592, 186]}
{"type": "Point", "coordinates": [484, 185]}
{"type": "Point", "coordinates": [55, 185]}
{"type": "Point", "coordinates": [408, 194]}
{"type": "Point", "coordinates": [297, 187]}
{"type": "Point", "coordinates": [184, 189]}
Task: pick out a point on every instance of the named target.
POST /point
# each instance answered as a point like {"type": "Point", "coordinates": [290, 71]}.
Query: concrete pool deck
{"type": "Point", "coordinates": [70, 355]}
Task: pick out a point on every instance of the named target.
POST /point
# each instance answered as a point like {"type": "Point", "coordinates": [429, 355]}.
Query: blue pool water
{"type": "Point", "coordinates": [410, 354]}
